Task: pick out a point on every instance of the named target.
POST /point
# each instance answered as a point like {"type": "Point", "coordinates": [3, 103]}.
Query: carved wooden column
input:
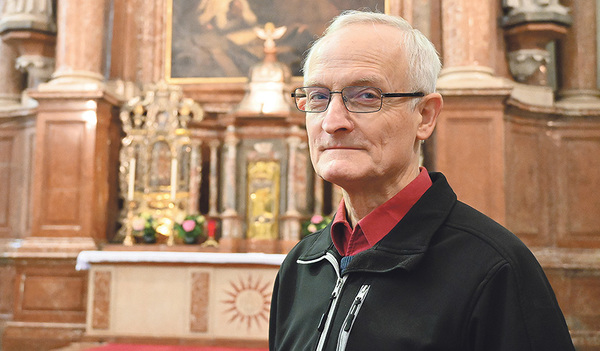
{"type": "Point", "coordinates": [138, 39]}
{"type": "Point", "coordinates": [578, 58]}
{"type": "Point", "coordinates": [151, 47]}
{"type": "Point", "coordinates": [468, 33]}
{"type": "Point", "coordinates": [469, 138]}
{"type": "Point", "coordinates": [77, 133]}
{"type": "Point", "coordinates": [125, 44]}
{"type": "Point", "coordinates": [231, 226]}
{"type": "Point", "coordinates": [80, 43]}
{"type": "Point", "coordinates": [195, 176]}
{"type": "Point", "coordinates": [213, 210]}
{"type": "Point", "coordinates": [291, 219]}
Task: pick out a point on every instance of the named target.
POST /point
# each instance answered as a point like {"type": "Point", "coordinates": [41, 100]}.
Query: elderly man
{"type": "Point", "coordinates": [404, 265]}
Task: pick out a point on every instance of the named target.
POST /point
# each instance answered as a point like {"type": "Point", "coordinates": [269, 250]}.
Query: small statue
{"type": "Point", "coordinates": [269, 34]}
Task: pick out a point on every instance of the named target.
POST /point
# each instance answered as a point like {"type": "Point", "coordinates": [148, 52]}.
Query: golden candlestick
{"type": "Point", "coordinates": [128, 241]}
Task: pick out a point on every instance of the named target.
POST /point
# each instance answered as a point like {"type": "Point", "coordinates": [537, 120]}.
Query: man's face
{"type": "Point", "coordinates": [362, 151]}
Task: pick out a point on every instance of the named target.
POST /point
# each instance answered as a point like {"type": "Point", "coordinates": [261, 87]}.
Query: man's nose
{"type": "Point", "coordinates": [337, 116]}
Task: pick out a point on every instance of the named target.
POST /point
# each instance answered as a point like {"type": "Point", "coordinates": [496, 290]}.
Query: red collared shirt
{"type": "Point", "coordinates": [374, 226]}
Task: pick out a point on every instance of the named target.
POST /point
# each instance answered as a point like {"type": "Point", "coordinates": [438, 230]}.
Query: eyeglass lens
{"type": "Point", "coordinates": [355, 98]}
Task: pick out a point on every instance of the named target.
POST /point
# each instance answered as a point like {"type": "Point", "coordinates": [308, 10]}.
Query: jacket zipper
{"type": "Point", "coordinates": [352, 313]}
{"type": "Point", "coordinates": [325, 322]}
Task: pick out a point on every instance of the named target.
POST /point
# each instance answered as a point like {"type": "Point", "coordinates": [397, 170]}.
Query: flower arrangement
{"type": "Point", "coordinates": [190, 228]}
{"type": "Point", "coordinates": [143, 225]}
{"type": "Point", "coordinates": [146, 226]}
{"type": "Point", "coordinates": [316, 223]}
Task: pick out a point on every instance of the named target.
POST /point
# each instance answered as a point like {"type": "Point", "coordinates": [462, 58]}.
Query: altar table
{"type": "Point", "coordinates": [218, 298]}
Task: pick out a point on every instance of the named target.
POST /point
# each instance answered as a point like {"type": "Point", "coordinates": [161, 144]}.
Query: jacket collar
{"type": "Point", "coordinates": [405, 245]}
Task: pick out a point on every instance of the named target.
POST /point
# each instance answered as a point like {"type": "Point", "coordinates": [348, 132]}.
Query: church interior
{"type": "Point", "coordinates": [154, 170]}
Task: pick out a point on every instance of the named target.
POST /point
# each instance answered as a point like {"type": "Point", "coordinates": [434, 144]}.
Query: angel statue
{"type": "Point", "coordinates": [269, 34]}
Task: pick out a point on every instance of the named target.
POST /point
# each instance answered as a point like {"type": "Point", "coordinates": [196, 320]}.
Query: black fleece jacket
{"type": "Point", "coordinates": [445, 278]}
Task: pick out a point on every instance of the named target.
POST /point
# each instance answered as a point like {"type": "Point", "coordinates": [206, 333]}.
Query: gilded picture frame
{"type": "Point", "coordinates": [214, 41]}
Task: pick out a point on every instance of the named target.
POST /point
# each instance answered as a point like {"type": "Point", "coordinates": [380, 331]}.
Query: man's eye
{"type": "Point", "coordinates": [363, 94]}
{"type": "Point", "coordinates": [318, 96]}
{"type": "Point", "coordinates": [367, 95]}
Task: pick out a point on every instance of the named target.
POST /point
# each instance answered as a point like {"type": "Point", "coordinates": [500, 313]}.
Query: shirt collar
{"type": "Point", "coordinates": [381, 220]}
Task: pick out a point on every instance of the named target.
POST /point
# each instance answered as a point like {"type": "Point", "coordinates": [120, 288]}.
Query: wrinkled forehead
{"type": "Point", "coordinates": [360, 46]}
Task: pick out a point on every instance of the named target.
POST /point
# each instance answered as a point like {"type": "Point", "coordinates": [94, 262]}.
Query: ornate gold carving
{"type": "Point", "coordinates": [263, 199]}
{"type": "Point", "coordinates": [156, 162]}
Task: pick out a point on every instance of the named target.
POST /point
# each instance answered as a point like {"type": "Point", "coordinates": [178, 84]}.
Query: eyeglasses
{"type": "Point", "coordinates": [357, 99]}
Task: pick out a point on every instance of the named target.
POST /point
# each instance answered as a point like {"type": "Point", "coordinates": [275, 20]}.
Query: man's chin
{"type": "Point", "coordinates": [341, 178]}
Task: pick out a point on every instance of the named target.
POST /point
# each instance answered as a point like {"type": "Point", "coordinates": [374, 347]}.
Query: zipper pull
{"type": "Point", "coordinates": [324, 316]}
{"type": "Point", "coordinates": [332, 298]}
{"type": "Point", "coordinates": [357, 302]}
{"type": "Point", "coordinates": [352, 314]}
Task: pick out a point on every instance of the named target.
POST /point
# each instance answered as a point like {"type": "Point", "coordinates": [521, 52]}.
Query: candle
{"type": "Point", "coordinates": [131, 181]}
{"type": "Point", "coordinates": [212, 227]}
{"type": "Point", "coordinates": [173, 178]}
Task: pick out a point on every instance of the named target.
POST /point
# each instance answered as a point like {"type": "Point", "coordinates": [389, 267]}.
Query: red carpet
{"type": "Point", "coordinates": [137, 347]}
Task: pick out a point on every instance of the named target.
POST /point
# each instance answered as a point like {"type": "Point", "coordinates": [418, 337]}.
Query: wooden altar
{"type": "Point", "coordinates": [179, 297]}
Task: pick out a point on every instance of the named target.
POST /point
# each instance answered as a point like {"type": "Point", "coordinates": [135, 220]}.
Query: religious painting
{"type": "Point", "coordinates": [216, 40]}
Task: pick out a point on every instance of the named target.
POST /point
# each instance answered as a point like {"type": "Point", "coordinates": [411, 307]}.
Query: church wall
{"type": "Point", "coordinates": [530, 164]}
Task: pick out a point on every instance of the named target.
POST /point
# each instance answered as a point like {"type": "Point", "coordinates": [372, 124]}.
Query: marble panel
{"type": "Point", "coordinates": [6, 150]}
{"type": "Point", "coordinates": [527, 192]}
{"type": "Point", "coordinates": [469, 150]}
{"type": "Point", "coordinates": [578, 293]}
{"type": "Point", "coordinates": [64, 145]}
{"type": "Point", "coordinates": [100, 312]}
{"type": "Point", "coordinates": [577, 209]}
{"type": "Point", "coordinates": [50, 294]}
{"type": "Point", "coordinates": [7, 287]}
{"type": "Point", "coordinates": [200, 302]}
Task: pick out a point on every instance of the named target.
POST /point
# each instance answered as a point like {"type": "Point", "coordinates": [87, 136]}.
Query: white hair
{"type": "Point", "coordinates": [424, 63]}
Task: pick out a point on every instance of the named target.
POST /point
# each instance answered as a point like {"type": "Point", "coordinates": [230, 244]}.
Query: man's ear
{"type": "Point", "coordinates": [429, 108]}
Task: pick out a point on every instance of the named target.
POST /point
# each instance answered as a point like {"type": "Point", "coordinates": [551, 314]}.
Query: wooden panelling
{"type": "Point", "coordinates": [7, 283]}
{"type": "Point", "coordinates": [6, 150]}
{"type": "Point", "coordinates": [65, 143]}
{"type": "Point", "coordinates": [551, 181]}
{"type": "Point", "coordinates": [50, 293]}
{"type": "Point", "coordinates": [578, 194]}
{"type": "Point", "coordinates": [527, 195]}
{"type": "Point", "coordinates": [43, 337]}
{"type": "Point", "coordinates": [61, 177]}
{"type": "Point", "coordinates": [469, 150]}
{"type": "Point", "coordinates": [16, 145]}
{"type": "Point", "coordinates": [75, 184]}
{"type": "Point", "coordinates": [578, 293]}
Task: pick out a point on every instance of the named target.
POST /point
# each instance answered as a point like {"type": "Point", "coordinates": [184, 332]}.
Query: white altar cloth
{"type": "Point", "coordinates": [85, 258]}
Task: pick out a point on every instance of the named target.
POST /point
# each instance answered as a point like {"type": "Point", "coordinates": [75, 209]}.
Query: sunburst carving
{"type": "Point", "coordinates": [248, 301]}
